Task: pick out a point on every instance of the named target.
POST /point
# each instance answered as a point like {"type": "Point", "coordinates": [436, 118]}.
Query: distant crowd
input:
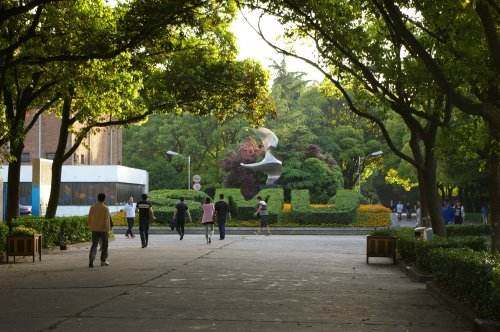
{"type": "Point", "coordinates": [451, 212]}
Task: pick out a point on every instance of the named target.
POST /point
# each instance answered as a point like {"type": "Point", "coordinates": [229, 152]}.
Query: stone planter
{"type": "Point", "coordinates": [24, 245]}
{"type": "Point", "coordinates": [380, 246]}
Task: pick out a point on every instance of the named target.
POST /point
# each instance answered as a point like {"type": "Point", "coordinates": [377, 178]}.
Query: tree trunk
{"type": "Point", "coordinates": [494, 188]}
{"type": "Point", "coordinates": [55, 188]}
{"type": "Point", "coordinates": [59, 158]}
{"type": "Point", "coordinates": [14, 181]}
{"type": "Point", "coordinates": [428, 189]}
{"type": "Point", "coordinates": [427, 178]}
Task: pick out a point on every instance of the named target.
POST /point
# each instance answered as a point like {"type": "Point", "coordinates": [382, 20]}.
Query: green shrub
{"type": "Point", "coordinates": [465, 230]}
{"type": "Point", "coordinates": [165, 213]}
{"type": "Point", "coordinates": [346, 200]}
{"type": "Point", "coordinates": [302, 212]}
{"type": "Point", "coordinates": [162, 196]}
{"type": "Point", "coordinates": [164, 201]}
{"type": "Point", "coordinates": [406, 244]}
{"type": "Point", "coordinates": [300, 200]}
{"type": "Point", "coordinates": [75, 229]}
{"type": "Point", "coordinates": [23, 231]}
{"type": "Point", "coordinates": [383, 232]}
{"type": "Point", "coordinates": [245, 209]}
{"type": "Point", "coordinates": [473, 217]}
{"type": "Point", "coordinates": [3, 236]}
{"type": "Point", "coordinates": [473, 277]}
{"type": "Point", "coordinates": [423, 248]}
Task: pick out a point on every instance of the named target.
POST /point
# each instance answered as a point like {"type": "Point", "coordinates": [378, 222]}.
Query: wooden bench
{"type": "Point", "coordinates": [24, 245]}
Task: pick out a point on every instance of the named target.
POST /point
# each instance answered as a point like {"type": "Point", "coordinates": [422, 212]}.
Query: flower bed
{"type": "Point", "coordinates": [373, 216]}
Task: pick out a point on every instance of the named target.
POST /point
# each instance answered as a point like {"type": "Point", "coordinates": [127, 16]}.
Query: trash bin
{"type": "Point", "coordinates": [419, 233]}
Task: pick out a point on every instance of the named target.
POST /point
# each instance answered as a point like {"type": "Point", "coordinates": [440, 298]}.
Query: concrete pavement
{"type": "Point", "coordinates": [244, 283]}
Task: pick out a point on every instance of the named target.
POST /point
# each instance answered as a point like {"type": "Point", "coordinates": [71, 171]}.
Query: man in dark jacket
{"type": "Point", "coordinates": [221, 215]}
{"type": "Point", "coordinates": [146, 216]}
{"type": "Point", "coordinates": [181, 214]}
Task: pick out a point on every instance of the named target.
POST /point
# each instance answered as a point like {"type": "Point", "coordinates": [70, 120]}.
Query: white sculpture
{"type": "Point", "coordinates": [271, 166]}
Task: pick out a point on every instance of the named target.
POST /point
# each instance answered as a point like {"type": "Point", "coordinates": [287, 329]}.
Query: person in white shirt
{"type": "Point", "coordinates": [130, 215]}
{"type": "Point", "coordinates": [399, 210]}
{"type": "Point", "coordinates": [263, 213]}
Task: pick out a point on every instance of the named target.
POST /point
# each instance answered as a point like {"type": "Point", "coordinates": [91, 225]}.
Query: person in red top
{"type": "Point", "coordinates": [208, 219]}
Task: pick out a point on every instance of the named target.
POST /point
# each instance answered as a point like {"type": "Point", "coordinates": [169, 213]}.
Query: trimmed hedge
{"type": "Point", "coordinates": [162, 196]}
{"type": "Point", "coordinates": [423, 248]}
{"type": "Point", "coordinates": [346, 200]}
{"type": "Point", "coordinates": [164, 201]}
{"type": "Point", "coordinates": [303, 213]}
{"type": "Point", "coordinates": [417, 251]}
{"type": "Point", "coordinates": [75, 229]}
{"type": "Point", "coordinates": [245, 209]}
{"type": "Point", "coordinates": [3, 236]}
{"type": "Point", "coordinates": [471, 276]}
{"type": "Point", "coordinates": [464, 230]}
{"type": "Point", "coordinates": [165, 213]}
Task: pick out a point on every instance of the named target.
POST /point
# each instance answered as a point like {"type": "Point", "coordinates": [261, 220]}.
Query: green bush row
{"type": "Point", "coordinates": [346, 200]}
{"type": "Point", "coordinates": [245, 209]}
{"type": "Point", "coordinates": [164, 201]}
{"type": "Point", "coordinates": [302, 212]}
{"type": "Point", "coordinates": [74, 229]}
{"type": "Point", "coordinates": [464, 230]}
{"type": "Point", "coordinates": [3, 236]}
{"type": "Point", "coordinates": [472, 277]}
{"type": "Point", "coordinates": [170, 196]}
{"type": "Point", "coordinates": [416, 251]}
{"type": "Point", "coordinates": [423, 248]}
{"type": "Point", "coordinates": [164, 214]}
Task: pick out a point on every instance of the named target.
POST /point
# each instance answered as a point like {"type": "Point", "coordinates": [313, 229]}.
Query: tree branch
{"type": "Point", "coordinates": [39, 113]}
{"type": "Point", "coordinates": [347, 98]}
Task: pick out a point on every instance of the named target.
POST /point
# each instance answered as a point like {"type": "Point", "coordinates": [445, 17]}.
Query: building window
{"type": "Point", "coordinates": [82, 159]}
{"type": "Point", "coordinates": [25, 157]}
{"type": "Point", "coordinates": [50, 155]}
{"type": "Point", "coordinates": [75, 159]}
{"type": "Point", "coordinates": [85, 193]}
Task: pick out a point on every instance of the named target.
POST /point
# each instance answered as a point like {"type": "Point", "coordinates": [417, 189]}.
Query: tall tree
{"type": "Point", "coordinates": [369, 68]}
{"type": "Point", "coordinates": [37, 36]}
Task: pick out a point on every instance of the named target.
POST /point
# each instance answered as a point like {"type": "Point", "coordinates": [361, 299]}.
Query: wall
{"type": "Point", "coordinates": [102, 147]}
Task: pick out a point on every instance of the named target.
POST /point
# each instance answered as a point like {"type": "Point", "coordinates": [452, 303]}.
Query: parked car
{"type": "Point", "coordinates": [24, 210]}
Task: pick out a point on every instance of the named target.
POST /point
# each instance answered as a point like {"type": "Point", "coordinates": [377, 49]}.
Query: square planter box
{"type": "Point", "coordinates": [380, 246]}
{"type": "Point", "coordinates": [24, 245]}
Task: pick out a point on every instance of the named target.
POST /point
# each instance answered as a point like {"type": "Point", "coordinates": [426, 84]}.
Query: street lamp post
{"type": "Point", "coordinates": [188, 158]}
{"type": "Point", "coordinates": [362, 159]}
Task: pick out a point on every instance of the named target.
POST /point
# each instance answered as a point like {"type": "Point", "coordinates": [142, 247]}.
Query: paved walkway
{"type": "Point", "coordinates": [245, 283]}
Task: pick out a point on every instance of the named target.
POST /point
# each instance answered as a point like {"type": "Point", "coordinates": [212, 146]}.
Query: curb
{"type": "Point", "coordinates": [414, 274]}
{"type": "Point", "coordinates": [252, 230]}
{"type": "Point", "coordinates": [479, 325]}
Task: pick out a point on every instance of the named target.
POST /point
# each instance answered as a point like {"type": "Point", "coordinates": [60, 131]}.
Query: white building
{"type": "Point", "coordinates": [81, 184]}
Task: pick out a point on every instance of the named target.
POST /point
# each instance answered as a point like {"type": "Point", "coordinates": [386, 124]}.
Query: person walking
{"type": "Point", "coordinates": [180, 216]}
{"type": "Point", "coordinates": [129, 209]}
{"type": "Point", "coordinates": [418, 213]}
{"type": "Point", "coordinates": [99, 223]}
{"type": "Point", "coordinates": [221, 215]}
{"type": "Point", "coordinates": [484, 213]}
{"type": "Point", "coordinates": [459, 213]}
{"type": "Point", "coordinates": [399, 210]}
{"type": "Point", "coordinates": [408, 210]}
{"type": "Point", "coordinates": [208, 219]}
{"type": "Point", "coordinates": [263, 213]}
{"type": "Point", "coordinates": [146, 216]}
